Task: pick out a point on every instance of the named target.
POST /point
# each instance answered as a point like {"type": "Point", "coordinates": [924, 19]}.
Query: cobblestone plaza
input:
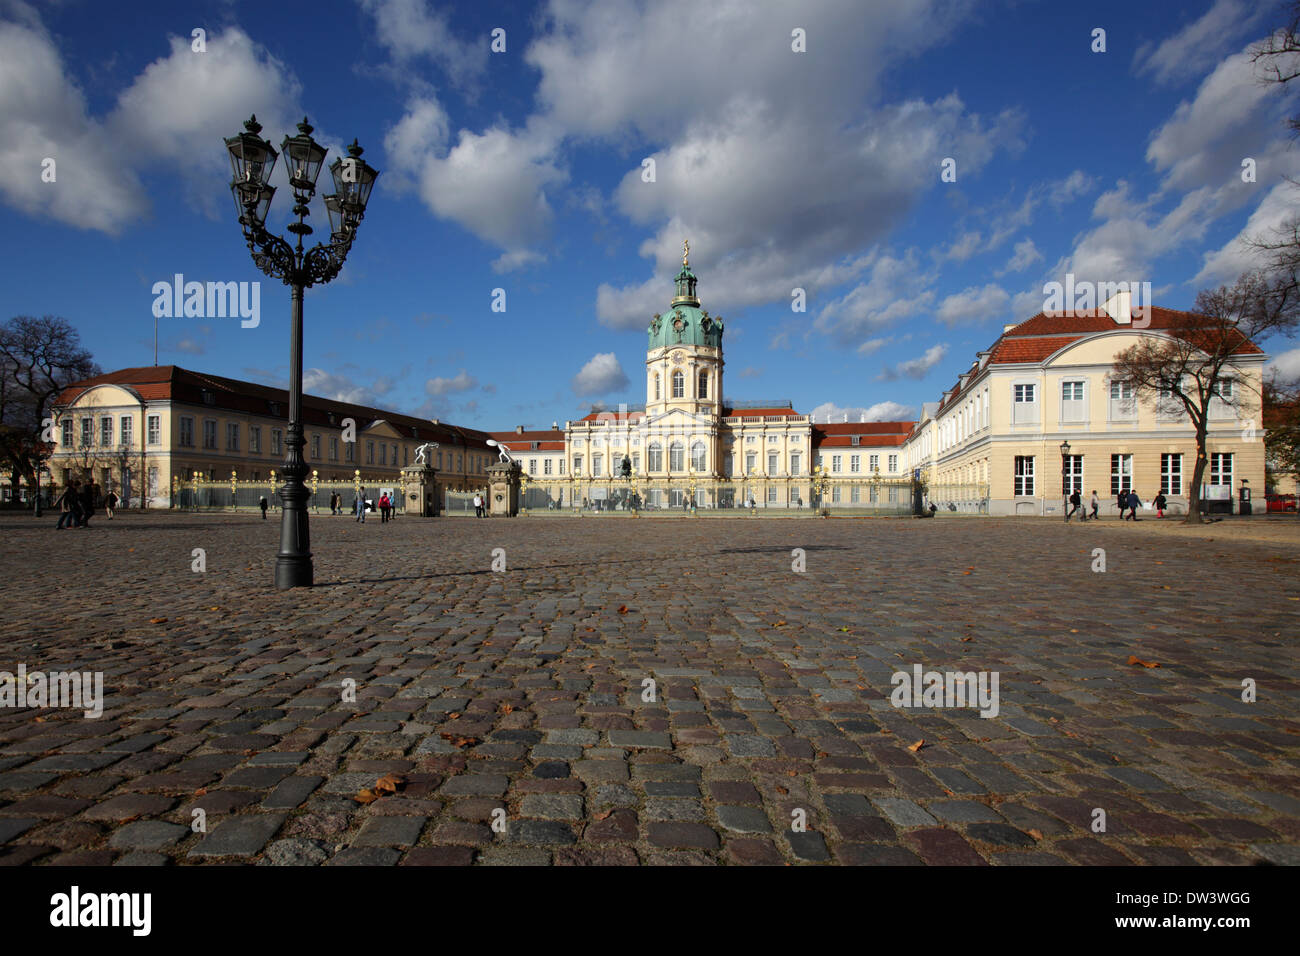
{"type": "Point", "coordinates": [504, 717]}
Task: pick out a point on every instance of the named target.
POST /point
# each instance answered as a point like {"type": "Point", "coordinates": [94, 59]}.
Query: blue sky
{"type": "Point", "coordinates": [522, 170]}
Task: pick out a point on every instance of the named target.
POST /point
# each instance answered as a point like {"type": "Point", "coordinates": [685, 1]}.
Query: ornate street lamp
{"type": "Point", "coordinates": [251, 161]}
{"type": "Point", "coordinates": [1065, 492]}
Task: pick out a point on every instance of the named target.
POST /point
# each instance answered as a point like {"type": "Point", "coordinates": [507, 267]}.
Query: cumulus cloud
{"type": "Point", "coordinates": [1286, 366]}
{"type": "Point", "coordinates": [342, 388]}
{"type": "Point", "coordinates": [600, 375]}
{"type": "Point", "coordinates": [411, 30]}
{"type": "Point", "coordinates": [917, 368]}
{"type": "Point", "coordinates": [439, 386]}
{"type": "Point", "coordinates": [1025, 255]}
{"type": "Point", "coordinates": [896, 289]}
{"type": "Point", "coordinates": [830, 413]}
{"type": "Point", "coordinates": [1223, 265]}
{"type": "Point", "coordinates": [974, 305]}
{"type": "Point", "coordinates": [1183, 55]}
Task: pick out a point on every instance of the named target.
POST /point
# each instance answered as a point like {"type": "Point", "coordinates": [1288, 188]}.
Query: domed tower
{"type": "Point", "coordinates": [684, 357]}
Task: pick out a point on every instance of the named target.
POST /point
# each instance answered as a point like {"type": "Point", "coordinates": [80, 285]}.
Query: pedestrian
{"type": "Point", "coordinates": [110, 502]}
{"type": "Point", "coordinates": [87, 503]}
{"type": "Point", "coordinates": [1133, 504]}
{"type": "Point", "coordinates": [68, 507]}
{"type": "Point", "coordinates": [383, 508]}
{"type": "Point", "coordinates": [1160, 502]}
{"type": "Point", "coordinates": [478, 506]}
{"type": "Point", "coordinates": [1074, 506]}
{"type": "Point", "coordinates": [1094, 504]}
{"type": "Point", "coordinates": [1121, 501]}
{"type": "Point", "coordinates": [361, 505]}
{"type": "Point", "coordinates": [261, 503]}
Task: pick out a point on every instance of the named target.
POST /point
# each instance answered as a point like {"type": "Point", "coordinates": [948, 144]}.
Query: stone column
{"type": "Point", "coordinates": [421, 491]}
{"type": "Point", "coordinates": [503, 489]}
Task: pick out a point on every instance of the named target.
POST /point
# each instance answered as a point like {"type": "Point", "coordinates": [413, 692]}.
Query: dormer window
{"type": "Point", "coordinates": [275, 408]}
{"type": "Point", "coordinates": [209, 397]}
{"type": "Point", "coordinates": [857, 440]}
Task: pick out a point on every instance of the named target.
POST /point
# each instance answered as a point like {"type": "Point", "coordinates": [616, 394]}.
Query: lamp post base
{"type": "Point", "coordinates": [293, 571]}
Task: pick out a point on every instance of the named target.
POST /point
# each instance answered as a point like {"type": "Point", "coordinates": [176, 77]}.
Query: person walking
{"type": "Point", "coordinates": [1094, 504]}
{"type": "Point", "coordinates": [87, 503]}
{"type": "Point", "coordinates": [383, 508]}
{"type": "Point", "coordinates": [1074, 506]}
{"type": "Point", "coordinates": [110, 502]}
{"type": "Point", "coordinates": [478, 506]}
{"type": "Point", "coordinates": [1160, 502]}
{"type": "Point", "coordinates": [1133, 504]}
{"type": "Point", "coordinates": [68, 507]}
{"type": "Point", "coordinates": [1121, 502]}
{"type": "Point", "coordinates": [262, 503]}
{"type": "Point", "coordinates": [361, 505]}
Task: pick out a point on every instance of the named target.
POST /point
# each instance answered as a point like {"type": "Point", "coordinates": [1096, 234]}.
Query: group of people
{"type": "Point", "coordinates": [1124, 501]}
{"type": "Point", "coordinates": [77, 504]}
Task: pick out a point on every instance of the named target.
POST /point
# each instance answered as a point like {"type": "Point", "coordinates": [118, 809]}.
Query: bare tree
{"type": "Point", "coordinates": [38, 359]}
{"type": "Point", "coordinates": [1190, 362]}
{"type": "Point", "coordinates": [1282, 428]}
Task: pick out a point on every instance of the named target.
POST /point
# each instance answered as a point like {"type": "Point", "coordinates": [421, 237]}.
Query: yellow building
{"type": "Point", "coordinates": [134, 430]}
{"type": "Point", "coordinates": [1047, 381]}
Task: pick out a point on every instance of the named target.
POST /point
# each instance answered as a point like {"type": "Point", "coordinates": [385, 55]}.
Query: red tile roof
{"type": "Point", "coordinates": [547, 440]}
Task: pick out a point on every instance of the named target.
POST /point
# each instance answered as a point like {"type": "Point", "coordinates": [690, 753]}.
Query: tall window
{"type": "Point", "coordinates": [1221, 397]}
{"type": "Point", "coordinates": [394, 447]}
{"type": "Point", "coordinates": [383, 453]}
{"type": "Point", "coordinates": [532, 466]}
{"type": "Point", "coordinates": [1121, 473]}
{"type": "Point", "coordinates": [1072, 407]}
{"type": "Point", "coordinates": [751, 462]}
{"type": "Point", "coordinates": [232, 436]}
{"type": "Point", "coordinates": [873, 462]}
{"type": "Point", "coordinates": [350, 453]}
{"type": "Point", "coordinates": [597, 463]}
{"type": "Point", "coordinates": [655, 457]}
{"type": "Point", "coordinates": [771, 463]}
{"type": "Point", "coordinates": [697, 456]}
{"type": "Point", "coordinates": [1122, 406]}
{"type": "Point", "coordinates": [334, 449]}
{"type": "Point", "coordinates": [106, 431]}
{"type": "Point", "coordinates": [370, 452]}
{"type": "Point", "coordinates": [277, 436]}
{"type": "Point", "coordinates": [1073, 474]}
{"type": "Point", "coordinates": [636, 462]}
{"type": "Point", "coordinates": [254, 439]}
{"type": "Point", "coordinates": [704, 385]}
{"type": "Point", "coordinates": [128, 431]}
{"type": "Point", "coordinates": [1220, 468]}
{"type": "Point", "coordinates": [893, 463]}
{"type": "Point", "coordinates": [561, 466]}
{"type": "Point", "coordinates": [87, 432]}
{"type": "Point", "coordinates": [1024, 404]}
{"type": "Point", "coordinates": [546, 467]}
{"type": "Point", "coordinates": [67, 433]}
{"type": "Point", "coordinates": [657, 394]}
{"type": "Point", "coordinates": [153, 429]}
{"type": "Point", "coordinates": [855, 463]}
{"type": "Point", "coordinates": [1024, 477]}
{"type": "Point", "coordinates": [209, 434]}
{"type": "Point", "coordinates": [1171, 474]}
{"type": "Point", "coordinates": [679, 385]}
{"type": "Point", "coordinates": [577, 464]}
{"type": "Point", "coordinates": [677, 456]}
{"type": "Point", "coordinates": [837, 463]}
{"type": "Point", "coordinates": [794, 463]}
{"type": "Point", "coordinates": [315, 447]}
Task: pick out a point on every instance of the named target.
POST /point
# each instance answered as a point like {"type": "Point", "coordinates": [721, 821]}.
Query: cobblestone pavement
{"type": "Point", "coordinates": [522, 692]}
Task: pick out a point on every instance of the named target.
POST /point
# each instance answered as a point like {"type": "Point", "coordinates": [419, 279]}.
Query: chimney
{"type": "Point", "coordinates": [555, 426]}
{"type": "Point", "coordinates": [519, 429]}
{"type": "Point", "coordinates": [1120, 307]}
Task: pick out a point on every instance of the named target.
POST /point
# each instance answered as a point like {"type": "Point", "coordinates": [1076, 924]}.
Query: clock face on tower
{"type": "Point", "coordinates": [679, 357]}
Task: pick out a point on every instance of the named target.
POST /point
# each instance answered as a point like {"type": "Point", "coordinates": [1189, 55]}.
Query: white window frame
{"type": "Point", "coordinates": [1023, 476]}
{"type": "Point", "coordinates": [1030, 414]}
{"type": "Point", "coordinates": [1121, 477]}
{"type": "Point", "coordinates": [1171, 473]}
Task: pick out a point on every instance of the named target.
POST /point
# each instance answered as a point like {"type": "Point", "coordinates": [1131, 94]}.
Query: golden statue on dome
{"type": "Point", "coordinates": [686, 253]}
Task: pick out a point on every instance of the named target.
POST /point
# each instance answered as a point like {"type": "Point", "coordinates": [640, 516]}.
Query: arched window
{"type": "Point", "coordinates": [679, 385]}
{"type": "Point", "coordinates": [677, 455]}
{"type": "Point", "coordinates": [697, 456]}
{"type": "Point", "coordinates": [703, 391]}
{"type": "Point", "coordinates": [656, 457]}
{"type": "Point", "coordinates": [656, 386]}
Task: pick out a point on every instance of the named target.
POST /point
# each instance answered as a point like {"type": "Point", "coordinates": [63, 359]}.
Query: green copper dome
{"type": "Point", "coordinates": [685, 323]}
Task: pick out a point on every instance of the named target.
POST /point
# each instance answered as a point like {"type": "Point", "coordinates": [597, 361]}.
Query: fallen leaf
{"type": "Point", "coordinates": [779, 624]}
{"type": "Point", "coordinates": [1137, 661]}
{"type": "Point", "coordinates": [622, 609]}
{"type": "Point", "coordinates": [454, 715]}
{"type": "Point", "coordinates": [507, 708]}
{"type": "Point", "coordinates": [1036, 834]}
{"type": "Point", "coordinates": [602, 816]}
{"type": "Point", "coordinates": [916, 746]}
{"type": "Point", "coordinates": [366, 797]}
{"type": "Point", "coordinates": [157, 620]}
{"type": "Point", "coordinates": [389, 783]}
{"type": "Point", "coordinates": [967, 640]}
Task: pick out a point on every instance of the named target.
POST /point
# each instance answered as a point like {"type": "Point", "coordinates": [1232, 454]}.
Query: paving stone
{"type": "Point", "coordinates": [389, 831]}
{"type": "Point", "coordinates": [243, 835]}
{"type": "Point", "coordinates": [552, 806]}
{"type": "Point", "coordinates": [292, 792]}
{"type": "Point", "coordinates": [365, 856]}
{"type": "Point", "coordinates": [903, 813]}
{"type": "Point", "coordinates": [744, 819]}
{"type": "Point", "coordinates": [678, 834]}
{"type": "Point", "coordinates": [295, 851]}
{"type": "Point", "coordinates": [147, 835]}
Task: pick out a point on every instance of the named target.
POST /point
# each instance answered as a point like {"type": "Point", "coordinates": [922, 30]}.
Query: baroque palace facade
{"type": "Point", "coordinates": [992, 444]}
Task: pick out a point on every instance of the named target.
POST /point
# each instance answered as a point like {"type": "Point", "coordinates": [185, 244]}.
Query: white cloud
{"type": "Point", "coordinates": [1184, 54]}
{"type": "Point", "coordinates": [1274, 211]}
{"type": "Point", "coordinates": [917, 368]}
{"type": "Point", "coordinates": [830, 413]}
{"type": "Point", "coordinates": [1286, 365]}
{"type": "Point", "coordinates": [974, 305]}
{"type": "Point", "coordinates": [190, 346]}
{"type": "Point", "coordinates": [461, 382]}
{"type": "Point", "coordinates": [410, 30]}
{"type": "Point", "coordinates": [964, 247]}
{"type": "Point", "coordinates": [341, 388]}
{"type": "Point", "coordinates": [519, 259]}
{"type": "Point", "coordinates": [871, 346]}
{"type": "Point", "coordinates": [1026, 254]}
{"type": "Point", "coordinates": [600, 375]}
{"type": "Point", "coordinates": [1065, 191]}
{"type": "Point", "coordinates": [896, 290]}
